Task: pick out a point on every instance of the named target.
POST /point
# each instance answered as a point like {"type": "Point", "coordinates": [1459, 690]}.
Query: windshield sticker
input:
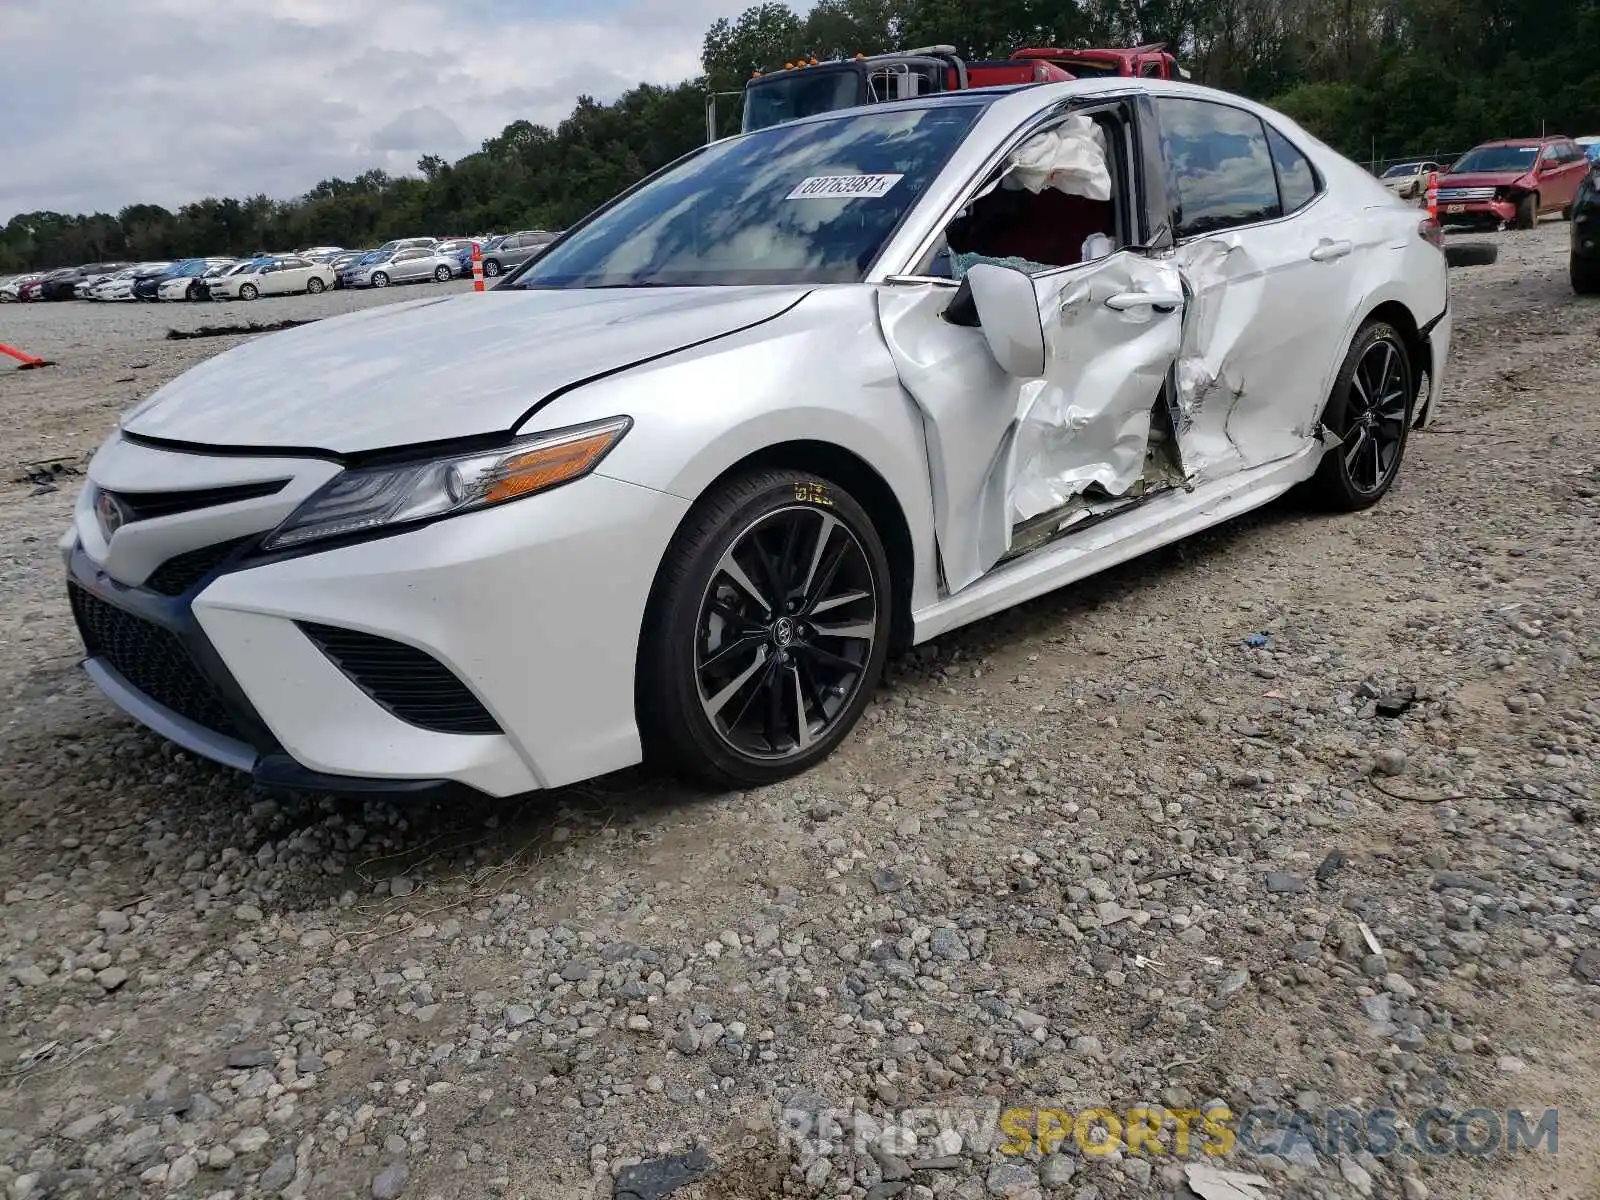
{"type": "Point", "coordinates": [844, 187]}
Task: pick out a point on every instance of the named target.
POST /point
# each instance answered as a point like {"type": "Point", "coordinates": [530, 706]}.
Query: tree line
{"type": "Point", "coordinates": [1376, 78]}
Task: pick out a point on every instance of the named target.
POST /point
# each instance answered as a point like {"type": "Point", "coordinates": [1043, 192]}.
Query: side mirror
{"type": "Point", "coordinates": [1008, 314]}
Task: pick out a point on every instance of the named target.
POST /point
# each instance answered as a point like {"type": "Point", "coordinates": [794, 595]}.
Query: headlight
{"type": "Point", "coordinates": [371, 498]}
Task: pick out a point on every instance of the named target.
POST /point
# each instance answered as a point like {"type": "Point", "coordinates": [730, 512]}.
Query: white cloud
{"type": "Point", "coordinates": [113, 102]}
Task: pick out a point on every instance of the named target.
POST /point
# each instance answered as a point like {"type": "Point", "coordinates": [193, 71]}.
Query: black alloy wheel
{"type": "Point", "coordinates": [769, 626]}
{"type": "Point", "coordinates": [1370, 410]}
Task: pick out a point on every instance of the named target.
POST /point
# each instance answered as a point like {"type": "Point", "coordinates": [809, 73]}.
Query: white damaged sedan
{"type": "Point", "coordinates": [801, 398]}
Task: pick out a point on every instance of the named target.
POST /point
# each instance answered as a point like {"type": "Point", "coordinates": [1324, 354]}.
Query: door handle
{"type": "Point", "coordinates": [1327, 251]}
{"type": "Point", "coordinates": [1161, 301]}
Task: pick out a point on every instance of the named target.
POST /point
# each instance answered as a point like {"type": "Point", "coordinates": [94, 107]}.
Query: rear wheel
{"type": "Point", "coordinates": [441, 274]}
{"type": "Point", "coordinates": [1585, 274]}
{"type": "Point", "coordinates": [490, 268]}
{"type": "Point", "coordinates": [380, 279]}
{"type": "Point", "coordinates": [248, 291]}
{"type": "Point", "coordinates": [1370, 411]}
{"type": "Point", "coordinates": [1527, 211]}
{"type": "Point", "coordinates": [767, 628]}
{"type": "Point", "coordinates": [315, 286]}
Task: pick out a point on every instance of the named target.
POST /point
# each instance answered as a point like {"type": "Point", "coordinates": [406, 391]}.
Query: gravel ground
{"type": "Point", "coordinates": [1109, 849]}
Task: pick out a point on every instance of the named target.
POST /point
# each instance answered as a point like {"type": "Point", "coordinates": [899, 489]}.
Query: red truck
{"type": "Point", "coordinates": [808, 87]}
{"type": "Point", "coordinates": [1512, 182]}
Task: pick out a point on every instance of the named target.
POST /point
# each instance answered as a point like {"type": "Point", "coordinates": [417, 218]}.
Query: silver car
{"type": "Point", "coordinates": [402, 266]}
{"type": "Point", "coordinates": [515, 249]}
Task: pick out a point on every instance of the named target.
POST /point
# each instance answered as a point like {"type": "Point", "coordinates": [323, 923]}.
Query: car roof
{"type": "Point", "coordinates": [1536, 141]}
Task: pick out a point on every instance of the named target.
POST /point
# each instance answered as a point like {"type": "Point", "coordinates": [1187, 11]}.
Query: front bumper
{"type": "Point", "coordinates": [536, 607]}
{"type": "Point", "coordinates": [1476, 212]}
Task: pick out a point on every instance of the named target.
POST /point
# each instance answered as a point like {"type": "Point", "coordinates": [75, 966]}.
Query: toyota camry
{"type": "Point", "coordinates": [799, 399]}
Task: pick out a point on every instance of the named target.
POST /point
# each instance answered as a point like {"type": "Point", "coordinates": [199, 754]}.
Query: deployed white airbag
{"type": "Point", "coordinates": [1070, 158]}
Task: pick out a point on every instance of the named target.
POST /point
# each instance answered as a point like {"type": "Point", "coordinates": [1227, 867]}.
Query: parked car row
{"type": "Point", "coordinates": [315, 269]}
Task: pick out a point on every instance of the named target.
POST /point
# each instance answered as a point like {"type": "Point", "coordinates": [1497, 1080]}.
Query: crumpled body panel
{"type": "Point", "coordinates": [1224, 292]}
{"type": "Point", "coordinates": [1003, 450]}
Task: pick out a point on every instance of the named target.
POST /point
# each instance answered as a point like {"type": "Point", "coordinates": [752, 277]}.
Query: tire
{"type": "Point", "coordinates": [1585, 273]}
{"type": "Point", "coordinates": [442, 274]}
{"type": "Point", "coordinates": [248, 291]}
{"type": "Point", "coordinates": [491, 268]}
{"type": "Point", "coordinates": [1472, 254]}
{"type": "Point", "coordinates": [195, 292]}
{"type": "Point", "coordinates": [380, 279]}
{"type": "Point", "coordinates": [1344, 481]}
{"type": "Point", "coordinates": [1527, 212]}
{"type": "Point", "coordinates": [694, 672]}
{"type": "Point", "coordinates": [315, 287]}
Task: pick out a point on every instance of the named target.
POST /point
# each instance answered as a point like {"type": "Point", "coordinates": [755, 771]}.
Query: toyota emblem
{"type": "Point", "coordinates": [109, 512]}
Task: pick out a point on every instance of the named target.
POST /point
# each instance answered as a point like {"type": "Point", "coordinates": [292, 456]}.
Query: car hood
{"type": "Point", "coordinates": [1481, 179]}
{"type": "Point", "coordinates": [395, 375]}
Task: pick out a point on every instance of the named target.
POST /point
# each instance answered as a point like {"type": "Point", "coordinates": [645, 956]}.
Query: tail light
{"type": "Point", "coordinates": [1432, 232]}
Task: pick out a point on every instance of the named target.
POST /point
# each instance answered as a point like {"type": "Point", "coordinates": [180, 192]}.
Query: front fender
{"type": "Point", "coordinates": [819, 373]}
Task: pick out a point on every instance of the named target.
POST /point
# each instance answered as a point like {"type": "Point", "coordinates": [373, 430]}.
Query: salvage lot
{"type": "Point", "coordinates": [1071, 858]}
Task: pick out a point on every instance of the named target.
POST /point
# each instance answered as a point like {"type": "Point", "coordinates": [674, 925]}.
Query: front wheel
{"type": "Point", "coordinates": [315, 287]}
{"type": "Point", "coordinates": [766, 631]}
{"type": "Point", "coordinates": [490, 268]}
{"type": "Point", "coordinates": [249, 291]}
{"type": "Point", "coordinates": [441, 274]}
{"type": "Point", "coordinates": [1527, 212]}
{"type": "Point", "coordinates": [1370, 411]}
{"type": "Point", "coordinates": [379, 279]}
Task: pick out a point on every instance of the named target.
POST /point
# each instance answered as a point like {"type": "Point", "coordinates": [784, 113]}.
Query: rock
{"type": "Point", "coordinates": [1331, 865]}
{"type": "Point", "coordinates": [183, 1170]}
{"type": "Point", "coordinates": [1587, 966]}
{"type": "Point", "coordinates": [248, 1141]}
{"type": "Point", "coordinates": [248, 1058]}
{"type": "Point", "coordinates": [219, 1158]}
{"type": "Point", "coordinates": [84, 1128]}
{"type": "Point", "coordinates": [401, 886]}
{"type": "Point", "coordinates": [111, 978]}
{"type": "Point", "coordinates": [113, 921]}
{"type": "Point", "coordinates": [1356, 1175]}
{"type": "Point", "coordinates": [1057, 1170]}
{"type": "Point", "coordinates": [519, 1014]}
{"type": "Point", "coordinates": [886, 881]}
{"type": "Point", "coordinates": [280, 1173]}
{"type": "Point", "coordinates": [315, 939]}
{"type": "Point", "coordinates": [1029, 1021]}
{"type": "Point", "coordinates": [1389, 762]}
{"type": "Point", "coordinates": [946, 943]}
{"type": "Point", "coordinates": [390, 1182]}
{"type": "Point", "coordinates": [1011, 1180]}
{"type": "Point", "coordinates": [1282, 883]}
{"type": "Point", "coordinates": [661, 1177]}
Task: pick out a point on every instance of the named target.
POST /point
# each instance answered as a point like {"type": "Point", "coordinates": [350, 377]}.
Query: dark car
{"type": "Point", "coordinates": [1511, 183]}
{"type": "Point", "coordinates": [148, 286]}
{"type": "Point", "coordinates": [59, 284]}
{"type": "Point", "coordinates": [1585, 260]}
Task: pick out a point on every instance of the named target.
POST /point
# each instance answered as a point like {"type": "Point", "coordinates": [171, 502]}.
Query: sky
{"type": "Point", "coordinates": [105, 103]}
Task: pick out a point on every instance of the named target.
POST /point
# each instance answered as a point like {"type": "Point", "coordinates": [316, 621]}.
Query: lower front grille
{"type": "Point", "coordinates": [410, 683]}
{"type": "Point", "coordinates": [152, 659]}
{"type": "Point", "coordinates": [182, 571]}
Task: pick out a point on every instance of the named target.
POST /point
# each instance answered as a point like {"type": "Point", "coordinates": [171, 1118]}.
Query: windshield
{"type": "Point", "coordinates": [1496, 158]}
{"type": "Point", "coordinates": [810, 203]}
{"type": "Point", "coordinates": [1402, 169]}
{"type": "Point", "coordinates": [806, 94]}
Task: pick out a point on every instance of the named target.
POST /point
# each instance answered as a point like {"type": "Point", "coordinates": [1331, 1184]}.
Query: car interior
{"type": "Point", "coordinates": [1052, 218]}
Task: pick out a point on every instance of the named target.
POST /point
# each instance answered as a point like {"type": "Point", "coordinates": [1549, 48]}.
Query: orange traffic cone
{"type": "Point", "coordinates": [1433, 195]}
{"type": "Point", "coordinates": [477, 267]}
